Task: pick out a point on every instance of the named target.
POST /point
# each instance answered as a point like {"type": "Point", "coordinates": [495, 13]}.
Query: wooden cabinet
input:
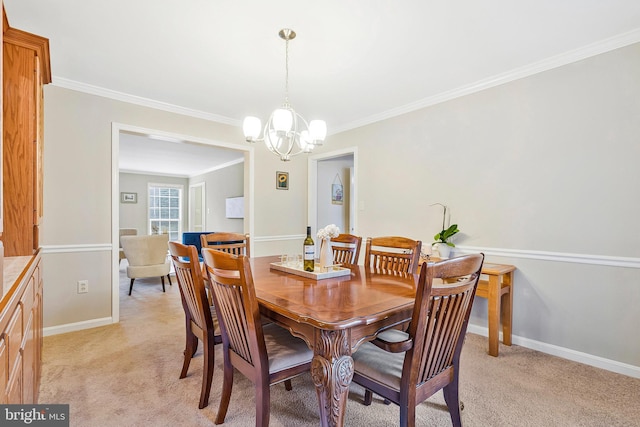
{"type": "Point", "coordinates": [25, 69]}
{"type": "Point", "coordinates": [21, 330]}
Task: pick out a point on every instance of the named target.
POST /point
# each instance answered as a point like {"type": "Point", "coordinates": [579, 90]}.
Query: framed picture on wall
{"type": "Point", "coordinates": [337, 191]}
{"type": "Point", "coordinates": [337, 194]}
{"type": "Point", "coordinates": [128, 197]}
{"type": "Point", "coordinates": [282, 180]}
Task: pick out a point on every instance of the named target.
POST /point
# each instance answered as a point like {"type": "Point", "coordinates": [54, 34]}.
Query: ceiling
{"type": "Point", "coordinates": [353, 62]}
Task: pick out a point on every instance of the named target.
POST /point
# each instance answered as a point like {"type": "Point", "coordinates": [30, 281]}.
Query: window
{"type": "Point", "coordinates": [165, 210]}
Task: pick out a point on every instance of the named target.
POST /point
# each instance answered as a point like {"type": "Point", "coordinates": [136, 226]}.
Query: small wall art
{"type": "Point", "coordinates": [337, 191]}
{"type": "Point", "coordinates": [282, 180]}
{"type": "Point", "coordinates": [128, 197]}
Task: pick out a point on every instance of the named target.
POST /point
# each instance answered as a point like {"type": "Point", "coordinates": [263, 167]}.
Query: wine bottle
{"type": "Point", "coordinates": [309, 252]}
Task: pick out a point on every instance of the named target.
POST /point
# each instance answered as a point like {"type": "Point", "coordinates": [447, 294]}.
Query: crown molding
{"type": "Point", "coordinates": [560, 60]}
{"type": "Point", "coordinates": [138, 100]}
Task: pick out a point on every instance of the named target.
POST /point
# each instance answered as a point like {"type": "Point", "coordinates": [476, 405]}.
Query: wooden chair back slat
{"type": "Point", "coordinates": [346, 249]}
{"type": "Point", "coordinates": [392, 254]}
{"type": "Point", "coordinates": [233, 243]}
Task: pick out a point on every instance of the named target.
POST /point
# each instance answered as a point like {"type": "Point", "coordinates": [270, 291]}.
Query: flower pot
{"type": "Point", "coordinates": [444, 250]}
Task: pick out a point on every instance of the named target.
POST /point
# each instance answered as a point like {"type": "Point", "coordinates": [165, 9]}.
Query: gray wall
{"type": "Point", "coordinates": [135, 215]}
{"type": "Point", "coordinates": [220, 184]}
{"type": "Point", "coordinates": [539, 173]}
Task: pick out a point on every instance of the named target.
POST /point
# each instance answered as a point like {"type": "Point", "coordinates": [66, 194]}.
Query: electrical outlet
{"type": "Point", "coordinates": [83, 286]}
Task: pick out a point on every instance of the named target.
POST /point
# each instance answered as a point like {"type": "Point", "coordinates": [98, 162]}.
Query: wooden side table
{"type": "Point", "coordinates": [498, 290]}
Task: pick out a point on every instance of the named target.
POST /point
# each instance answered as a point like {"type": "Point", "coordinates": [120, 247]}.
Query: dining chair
{"type": "Point", "coordinates": [409, 367]}
{"type": "Point", "coordinates": [233, 243]}
{"type": "Point", "coordinates": [346, 249]}
{"type": "Point", "coordinates": [201, 322]}
{"type": "Point", "coordinates": [265, 354]}
{"type": "Point", "coordinates": [147, 257]}
{"type": "Point", "coordinates": [392, 254]}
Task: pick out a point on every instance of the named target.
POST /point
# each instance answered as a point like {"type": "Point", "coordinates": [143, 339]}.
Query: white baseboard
{"type": "Point", "coordinates": [566, 353]}
{"type": "Point", "coordinates": [78, 326]}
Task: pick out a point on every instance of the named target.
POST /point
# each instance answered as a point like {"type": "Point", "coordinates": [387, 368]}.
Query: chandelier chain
{"type": "Point", "coordinates": [286, 78]}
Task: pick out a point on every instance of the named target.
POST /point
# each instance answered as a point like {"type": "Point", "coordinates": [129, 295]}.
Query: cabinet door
{"type": "Point", "coordinates": [28, 362]}
{"type": "Point", "coordinates": [4, 371]}
{"type": "Point", "coordinates": [18, 149]}
{"type": "Point", "coordinates": [14, 389]}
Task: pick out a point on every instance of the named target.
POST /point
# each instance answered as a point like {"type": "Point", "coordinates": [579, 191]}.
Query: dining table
{"type": "Point", "coordinates": [334, 316]}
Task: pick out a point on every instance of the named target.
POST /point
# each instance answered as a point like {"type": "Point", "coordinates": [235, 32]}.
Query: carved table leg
{"type": "Point", "coordinates": [331, 372]}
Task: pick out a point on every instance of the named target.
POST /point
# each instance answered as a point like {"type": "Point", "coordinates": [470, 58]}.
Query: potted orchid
{"type": "Point", "coordinates": [442, 242]}
{"type": "Point", "coordinates": [325, 235]}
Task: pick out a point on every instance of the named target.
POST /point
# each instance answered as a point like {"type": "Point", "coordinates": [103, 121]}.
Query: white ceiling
{"type": "Point", "coordinates": [352, 63]}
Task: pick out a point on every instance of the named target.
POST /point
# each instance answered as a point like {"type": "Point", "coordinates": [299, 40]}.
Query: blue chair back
{"type": "Point", "coordinates": [193, 238]}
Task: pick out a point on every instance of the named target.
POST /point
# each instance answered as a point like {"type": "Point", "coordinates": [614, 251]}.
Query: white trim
{"type": "Point", "coordinates": [218, 167]}
{"type": "Point", "coordinates": [202, 188]}
{"type": "Point", "coordinates": [78, 326]}
{"type": "Point", "coordinates": [138, 100]}
{"type": "Point", "coordinates": [175, 175]}
{"type": "Point", "coordinates": [560, 60]}
{"type": "Point", "coordinates": [605, 260]}
{"type": "Point", "coordinates": [614, 261]}
{"type": "Point", "coordinates": [567, 353]}
{"type": "Point", "coordinates": [61, 249]}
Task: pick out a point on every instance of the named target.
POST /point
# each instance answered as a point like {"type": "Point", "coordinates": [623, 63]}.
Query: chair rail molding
{"type": "Point", "coordinates": [615, 261]}
{"type": "Point", "coordinates": [86, 247]}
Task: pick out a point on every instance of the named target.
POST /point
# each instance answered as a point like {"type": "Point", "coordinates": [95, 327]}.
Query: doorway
{"type": "Point", "coordinates": [328, 172]}
{"type": "Point", "coordinates": [197, 206]}
{"type": "Point", "coordinates": [116, 130]}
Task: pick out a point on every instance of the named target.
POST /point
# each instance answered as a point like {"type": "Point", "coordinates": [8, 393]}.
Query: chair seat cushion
{"type": "Point", "coordinates": [379, 365]}
{"type": "Point", "coordinates": [133, 272]}
{"type": "Point", "coordinates": [284, 350]}
{"type": "Point", "coordinates": [393, 335]}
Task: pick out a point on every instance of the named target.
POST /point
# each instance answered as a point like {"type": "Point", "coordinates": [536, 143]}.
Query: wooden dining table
{"type": "Point", "coordinates": [334, 316]}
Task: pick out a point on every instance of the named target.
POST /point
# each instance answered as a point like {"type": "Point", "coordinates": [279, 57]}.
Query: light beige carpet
{"type": "Point", "coordinates": [127, 375]}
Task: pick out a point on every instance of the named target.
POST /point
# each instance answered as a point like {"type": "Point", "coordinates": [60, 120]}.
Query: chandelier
{"type": "Point", "coordinates": [286, 133]}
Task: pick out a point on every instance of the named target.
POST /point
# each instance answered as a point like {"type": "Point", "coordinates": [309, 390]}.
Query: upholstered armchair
{"type": "Point", "coordinates": [147, 257]}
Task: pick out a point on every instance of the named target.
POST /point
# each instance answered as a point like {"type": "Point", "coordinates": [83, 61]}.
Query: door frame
{"type": "Point", "coordinates": [116, 129]}
{"type": "Point", "coordinates": [312, 184]}
{"type": "Point", "coordinates": [199, 186]}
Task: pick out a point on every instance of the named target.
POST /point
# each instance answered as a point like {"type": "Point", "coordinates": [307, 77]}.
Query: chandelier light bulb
{"type": "Point", "coordinates": [282, 120]}
{"type": "Point", "coordinates": [251, 128]}
{"type": "Point", "coordinates": [318, 130]}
